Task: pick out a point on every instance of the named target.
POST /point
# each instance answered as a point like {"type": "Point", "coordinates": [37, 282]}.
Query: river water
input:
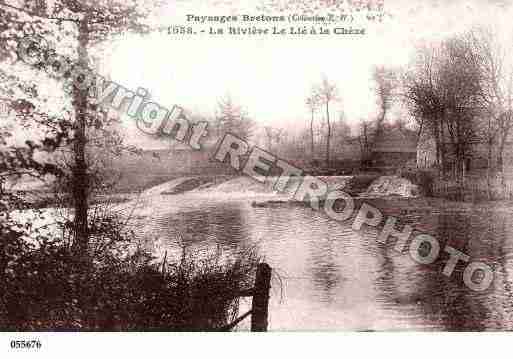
{"type": "Point", "coordinates": [328, 277]}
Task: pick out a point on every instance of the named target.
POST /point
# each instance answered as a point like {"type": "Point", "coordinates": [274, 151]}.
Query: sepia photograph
{"type": "Point", "coordinates": [323, 166]}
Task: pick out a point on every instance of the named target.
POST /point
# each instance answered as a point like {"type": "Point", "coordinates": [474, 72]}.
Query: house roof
{"type": "Point", "coordinates": [394, 139]}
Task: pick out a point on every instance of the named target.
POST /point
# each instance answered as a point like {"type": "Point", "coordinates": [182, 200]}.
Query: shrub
{"type": "Point", "coordinates": [123, 289]}
{"type": "Point", "coordinates": [422, 178]}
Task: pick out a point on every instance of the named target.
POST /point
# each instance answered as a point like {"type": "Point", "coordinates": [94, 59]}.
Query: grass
{"type": "Point", "coordinates": [44, 291]}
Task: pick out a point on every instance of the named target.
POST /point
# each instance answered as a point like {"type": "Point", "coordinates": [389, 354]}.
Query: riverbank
{"type": "Point", "coordinates": [370, 189]}
{"type": "Point", "coordinates": [395, 205]}
{"type": "Point", "coordinates": [363, 188]}
{"type": "Point", "coordinates": [336, 277]}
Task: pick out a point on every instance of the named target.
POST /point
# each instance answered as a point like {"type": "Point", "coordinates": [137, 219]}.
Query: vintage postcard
{"type": "Point", "coordinates": [255, 165]}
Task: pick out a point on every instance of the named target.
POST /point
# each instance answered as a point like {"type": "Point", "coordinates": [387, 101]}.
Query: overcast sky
{"type": "Point", "coordinates": [271, 77]}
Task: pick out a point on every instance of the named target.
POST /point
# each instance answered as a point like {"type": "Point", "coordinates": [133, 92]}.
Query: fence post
{"type": "Point", "coordinates": [260, 302]}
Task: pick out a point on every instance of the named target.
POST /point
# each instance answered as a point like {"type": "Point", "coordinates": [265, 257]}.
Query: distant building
{"type": "Point", "coordinates": [394, 147]}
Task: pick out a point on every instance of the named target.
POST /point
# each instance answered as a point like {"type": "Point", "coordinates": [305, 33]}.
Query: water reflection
{"type": "Point", "coordinates": [335, 278]}
{"type": "Point", "coordinates": [219, 225]}
{"type": "Point", "coordinates": [424, 297]}
{"type": "Point", "coordinates": [324, 269]}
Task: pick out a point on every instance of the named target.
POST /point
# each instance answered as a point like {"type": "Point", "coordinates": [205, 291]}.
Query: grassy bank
{"type": "Point", "coordinates": [122, 289]}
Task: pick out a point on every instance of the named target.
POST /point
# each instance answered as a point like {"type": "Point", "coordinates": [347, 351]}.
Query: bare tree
{"type": "Point", "coordinates": [460, 79]}
{"type": "Point", "coordinates": [365, 135]}
{"type": "Point", "coordinates": [233, 118]}
{"type": "Point", "coordinates": [496, 91]}
{"type": "Point", "coordinates": [385, 80]}
{"type": "Point", "coordinates": [327, 93]}
{"type": "Point", "coordinates": [268, 130]}
{"type": "Point", "coordinates": [274, 138]}
{"type": "Point", "coordinates": [443, 94]}
{"type": "Point", "coordinates": [424, 98]}
{"type": "Point", "coordinates": [312, 102]}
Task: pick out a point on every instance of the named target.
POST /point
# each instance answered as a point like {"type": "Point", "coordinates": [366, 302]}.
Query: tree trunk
{"type": "Point", "coordinates": [488, 170]}
{"type": "Point", "coordinates": [501, 161]}
{"type": "Point", "coordinates": [460, 168]}
{"type": "Point", "coordinates": [312, 149]}
{"type": "Point", "coordinates": [438, 147]}
{"type": "Point", "coordinates": [329, 135]}
{"type": "Point", "coordinates": [441, 135]}
{"type": "Point", "coordinates": [80, 180]}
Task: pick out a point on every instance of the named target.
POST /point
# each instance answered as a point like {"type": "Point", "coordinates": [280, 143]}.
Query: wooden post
{"type": "Point", "coordinates": [260, 302]}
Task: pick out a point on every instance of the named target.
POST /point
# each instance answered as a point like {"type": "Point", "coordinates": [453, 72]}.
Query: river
{"type": "Point", "coordinates": [328, 277]}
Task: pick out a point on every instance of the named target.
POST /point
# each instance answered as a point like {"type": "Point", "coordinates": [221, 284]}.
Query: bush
{"type": "Point", "coordinates": [422, 178]}
{"type": "Point", "coordinates": [44, 289]}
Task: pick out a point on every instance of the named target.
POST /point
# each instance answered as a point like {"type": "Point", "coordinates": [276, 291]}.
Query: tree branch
{"type": "Point", "coordinates": [32, 13]}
